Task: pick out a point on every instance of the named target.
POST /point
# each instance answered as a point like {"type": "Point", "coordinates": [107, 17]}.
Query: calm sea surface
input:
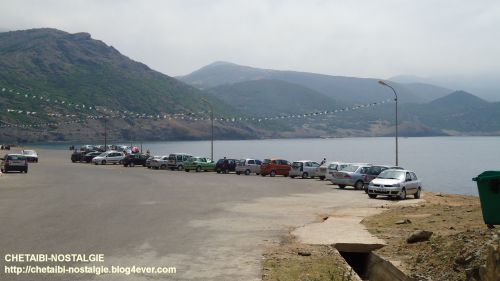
{"type": "Point", "coordinates": [445, 164]}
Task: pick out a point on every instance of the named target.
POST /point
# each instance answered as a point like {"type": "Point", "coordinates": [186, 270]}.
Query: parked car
{"type": "Point", "coordinates": [87, 158]}
{"type": "Point", "coordinates": [326, 170]}
{"type": "Point", "coordinates": [14, 162]}
{"type": "Point", "coordinates": [130, 160]}
{"type": "Point", "coordinates": [199, 164]}
{"type": "Point", "coordinates": [226, 165]}
{"type": "Point", "coordinates": [31, 155]}
{"type": "Point", "coordinates": [77, 156]}
{"type": "Point", "coordinates": [159, 163]}
{"type": "Point", "coordinates": [108, 157]}
{"type": "Point", "coordinates": [275, 166]}
{"type": "Point", "coordinates": [248, 166]}
{"type": "Point", "coordinates": [151, 158]}
{"type": "Point", "coordinates": [374, 171]}
{"type": "Point", "coordinates": [176, 161]}
{"type": "Point", "coordinates": [304, 168]}
{"type": "Point", "coordinates": [395, 183]}
{"type": "Point", "coordinates": [352, 175]}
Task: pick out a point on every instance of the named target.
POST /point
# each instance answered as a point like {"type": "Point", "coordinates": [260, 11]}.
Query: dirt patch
{"type": "Point", "coordinates": [455, 250]}
{"type": "Point", "coordinates": [292, 261]}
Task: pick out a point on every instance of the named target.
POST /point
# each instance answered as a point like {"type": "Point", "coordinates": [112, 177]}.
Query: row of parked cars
{"type": "Point", "coordinates": [375, 180]}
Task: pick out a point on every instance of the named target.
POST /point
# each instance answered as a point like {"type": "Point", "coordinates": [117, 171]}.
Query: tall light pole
{"type": "Point", "coordinates": [396, 99]}
{"type": "Point", "coordinates": [105, 134]}
{"type": "Point", "coordinates": [212, 128]}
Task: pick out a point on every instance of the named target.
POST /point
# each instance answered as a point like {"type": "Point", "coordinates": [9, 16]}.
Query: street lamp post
{"type": "Point", "coordinates": [212, 128]}
{"type": "Point", "coordinates": [105, 134]}
{"type": "Point", "coordinates": [396, 99]}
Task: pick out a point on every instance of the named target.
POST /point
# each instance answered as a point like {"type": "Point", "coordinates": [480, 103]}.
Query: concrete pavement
{"type": "Point", "coordinates": [208, 226]}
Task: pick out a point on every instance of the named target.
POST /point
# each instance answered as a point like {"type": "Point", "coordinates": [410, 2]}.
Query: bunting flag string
{"type": "Point", "coordinates": [191, 118]}
{"type": "Point", "coordinates": [100, 112]}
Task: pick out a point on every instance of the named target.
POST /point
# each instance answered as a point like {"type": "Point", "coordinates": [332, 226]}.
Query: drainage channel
{"type": "Point", "coordinates": [369, 265]}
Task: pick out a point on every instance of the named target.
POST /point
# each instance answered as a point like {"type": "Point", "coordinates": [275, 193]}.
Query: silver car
{"type": "Point", "coordinates": [304, 168]}
{"type": "Point", "coordinates": [352, 175]}
{"type": "Point", "coordinates": [248, 166]}
{"type": "Point", "coordinates": [109, 157]}
{"type": "Point", "coordinates": [326, 170]}
{"type": "Point", "coordinates": [395, 183]}
{"type": "Point", "coordinates": [176, 161]}
{"type": "Point", "coordinates": [160, 162]}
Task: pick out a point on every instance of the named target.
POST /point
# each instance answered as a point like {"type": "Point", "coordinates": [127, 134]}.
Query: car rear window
{"type": "Point", "coordinates": [266, 161]}
{"type": "Point", "coordinates": [15, 157]}
{"type": "Point", "coordinates": [350, 168]}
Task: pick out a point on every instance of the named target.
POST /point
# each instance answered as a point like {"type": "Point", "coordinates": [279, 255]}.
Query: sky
{"type": "Point", "coordinates": [365, 38]}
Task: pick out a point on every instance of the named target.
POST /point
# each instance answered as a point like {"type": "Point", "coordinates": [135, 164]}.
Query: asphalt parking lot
{"type": "Point", "coordinates": [208, 226]}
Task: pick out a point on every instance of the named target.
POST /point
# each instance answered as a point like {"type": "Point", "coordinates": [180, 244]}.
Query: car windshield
{"type": "Point", "coordinates": [350, 168]}
{"type": "Point", "coordinates": [391, 174]}
{"type": "Point", "coordinates": [28, 152]}
{"type": "Point", "coordinates": [332, 166]}
{"type": "Point", "coordinates": [297, 164]}
{"type": "Point", "coordinates": [103, 154]}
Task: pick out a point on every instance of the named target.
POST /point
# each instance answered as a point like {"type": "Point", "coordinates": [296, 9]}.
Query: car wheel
{"type": "Point", "coordinates": [226, 171]}
{"type": "Point", "coordinates": [342, 186]}
{"type": "Point", "coordinates": [163, 167]}
{"type": "Point", "coordinates": [238, 173]}
{"type": "Point", "coordinates": [292, 177]}
{"type": "Point", "coordinates": [372, 196]}
{"type": "Point", "coordinates": [359, 185]}
{"type": "Point", "coordinates": [103, 162]}
{"type": "Point", "coordinates": [322, 178]}
{"type": "Point", "coordinates": [187, 170]}
{"type": "Point", "coordinates": [417, 194]}
{"type": "Point", "coordinates": [305, 175]}
{"type": "Point", "coordinates": [247, 172]}
{"type": "Point", "coordinates": [218, 171]}
{"type": "Point", "coordinates": [180, 168]}
{"type": "Point", "coordinates": [198, 169]}
{"type": "Point", "coordinates": [132, 164]}
{"type": "Point", "coordinates": [403, 194]}
{"type": "Point", "coordinates": [96, 163]}
{"type": "Point", "coordinates": [272, 174]}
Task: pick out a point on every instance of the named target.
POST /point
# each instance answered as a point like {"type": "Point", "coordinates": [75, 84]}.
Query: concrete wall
{"type": "Point", "coordinates": [382, 270]}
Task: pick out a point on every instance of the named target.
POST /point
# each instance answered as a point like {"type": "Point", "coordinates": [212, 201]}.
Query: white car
{"type": "Point", "coordinates": [326, 170]}
{"type": "Point", "coordinates": [304, 168]}
{"type": "Point", "coordinates": [248, 166]}
{"type": "Point", "coordinates": [109, 157]}
{"type": "Point", "coordinates": [395, 183]}
{"type": "Point", "coordinates": [30, 155]}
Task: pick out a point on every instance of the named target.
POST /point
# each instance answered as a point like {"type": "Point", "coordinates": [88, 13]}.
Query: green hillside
{"type": "Point", "coordinates": [42, 68]}
{"type": "Point", "coordinates": [340, 88]}
{"type": "Point", "coordinates": [273, 97]}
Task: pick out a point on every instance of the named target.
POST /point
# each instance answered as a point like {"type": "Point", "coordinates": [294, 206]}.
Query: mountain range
{"type": "Point", "coordinates": [79, 69]}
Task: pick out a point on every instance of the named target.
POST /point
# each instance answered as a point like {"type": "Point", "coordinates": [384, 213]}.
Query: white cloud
{"type": "Point", "coordinates": [356, 38]}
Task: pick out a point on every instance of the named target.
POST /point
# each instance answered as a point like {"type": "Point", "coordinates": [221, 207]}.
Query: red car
{"type": "Point", "coordinates": [275, 166]}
